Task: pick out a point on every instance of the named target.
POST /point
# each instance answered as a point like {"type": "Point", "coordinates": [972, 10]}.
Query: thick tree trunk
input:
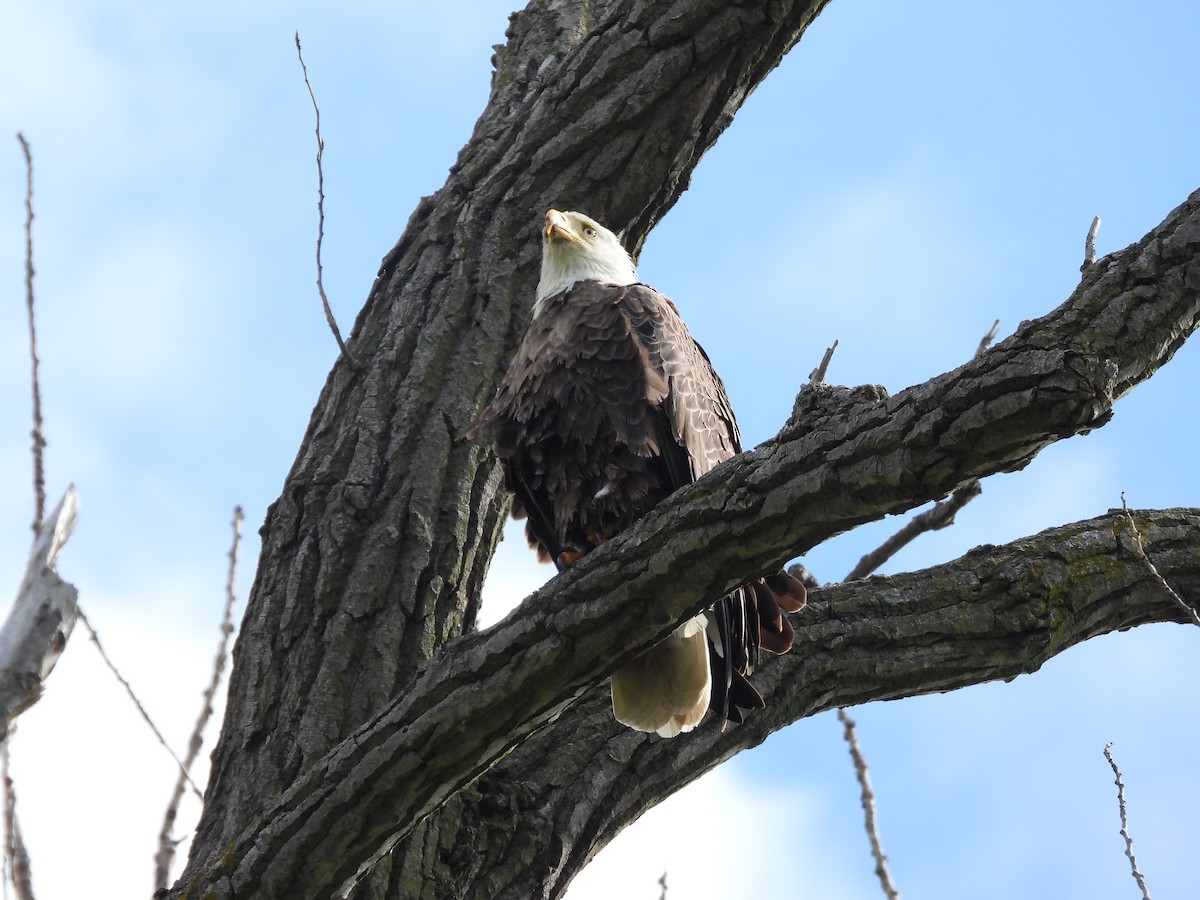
{"type": "Point", "coordinates": [347, 732]}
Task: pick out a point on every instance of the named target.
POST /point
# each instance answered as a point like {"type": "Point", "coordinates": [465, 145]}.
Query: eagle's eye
{"type": "Point", "coordinates": [589, 231]}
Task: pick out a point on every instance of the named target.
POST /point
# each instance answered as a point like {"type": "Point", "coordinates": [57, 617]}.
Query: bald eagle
{"type": "Point", "coordinates": [608, 406]}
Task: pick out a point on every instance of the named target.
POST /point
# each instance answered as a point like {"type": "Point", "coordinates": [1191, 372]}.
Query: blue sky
{"type": "Point", "coordinates": [909, 174]}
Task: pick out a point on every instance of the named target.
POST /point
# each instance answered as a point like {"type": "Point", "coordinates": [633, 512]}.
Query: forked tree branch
{"type": "Point", "coordinates": [855, 456]}
{"type": "Point", "coordinates": [996, 613]}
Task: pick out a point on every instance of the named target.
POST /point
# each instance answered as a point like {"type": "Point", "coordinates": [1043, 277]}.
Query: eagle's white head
{"type": "Point", "coordinates": [576, 248]}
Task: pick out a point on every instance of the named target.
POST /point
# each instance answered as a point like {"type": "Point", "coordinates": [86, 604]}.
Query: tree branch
{"type": "Point", "coordinates": [40, 621]}
{"type": "Point", "coordinates": [1057, 376]}
{"type": "Point", "coordinates": [38, 434]}
{"type": "Point", "coordinates": [374, 554]}
{"type": "Point", "coordinates": [1136, 539]}
{"type": "Point", "coordinates": [940, 516]}
{"type": "Point", "coordinates": [1133, 865]}
{"type": "Point", "coordinates": [882, 872]}
{"type": "Point", "coordinates": [996, 613]}
{"type": "Point", "coordinates": [329, 319]}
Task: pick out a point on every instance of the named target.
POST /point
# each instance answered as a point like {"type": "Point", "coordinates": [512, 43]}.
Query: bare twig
{"type": "Point", "coordinates": [39, 440]}
{"type": "Point", "coordinates": [1089, 245]}
{"type": "Point", "coordinates": [868, 805]}
{"type": "Point", "coordinates": [941, 515]}
{"type": "Point", "coordinates": [321, 211]}
{"type": "Point", "coordinates": [1137, 875]}
{"type": "Point", "coordinates": [1140, 549]}
{"type": "Point", "coordinates": [166, 842]}
{"type": "Point", "coordinates": [986, 340]}
{"type": "Point", "coordinates": [16, 856]}
{"type": "Point", "coordinates": [136, 702]}
{"type": "Point", "coordinates": [817, 376]}
{"type": "Point", "coordinates": [663, 883]}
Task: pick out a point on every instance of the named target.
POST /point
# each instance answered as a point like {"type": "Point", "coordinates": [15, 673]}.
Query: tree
{"type": "Point", "coordinates": [362, 720]}
{"type": "Point", "coordinates": [817, 409]}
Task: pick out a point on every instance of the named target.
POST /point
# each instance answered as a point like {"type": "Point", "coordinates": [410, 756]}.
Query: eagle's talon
{"type": "Point", "coordinates": [567, 558]}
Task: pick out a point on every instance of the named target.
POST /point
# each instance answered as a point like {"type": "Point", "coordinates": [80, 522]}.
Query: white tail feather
{"type": "Point", "coordinates": [666, 689]}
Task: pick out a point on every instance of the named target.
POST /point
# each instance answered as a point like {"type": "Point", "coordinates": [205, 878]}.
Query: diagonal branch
{"type": "Point", "coordinates": [1136, 538]}
{"type": "Point", "coordinates": [852, 455]}
{"type": "Point", "coordinates": [941, 515]}
{"type": "Point", "coordinates": [882, 872]}
{"type": "Point", "coordinates": [995, 613]}
{"type": "Point", "coordinates": [1133, 865]}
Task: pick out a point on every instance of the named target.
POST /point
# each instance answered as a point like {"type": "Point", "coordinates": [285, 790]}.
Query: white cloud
{"type": "Point", "coordinates": [721, 837]}
{"type": "Point", "coordinates": [91, 779]}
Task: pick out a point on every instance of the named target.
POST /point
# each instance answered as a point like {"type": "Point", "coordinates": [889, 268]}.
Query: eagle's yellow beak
{"type": "Point", "coordinates": [558, 229]}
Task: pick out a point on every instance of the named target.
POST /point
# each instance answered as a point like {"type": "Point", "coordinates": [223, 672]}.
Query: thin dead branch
{"type": "Point", "coordinates": [39, 440]}
{"type": "Point", "coordinates": [986, 340]}
{"type": "Point", "coordinates": [40, 621]}
{"type": "Point", "coordinates": [817, 376]}
{"type": "Point", "coordinates": [1089, 245]}
{"type": "Point", "coordinates": [31, 640]}
{"type": "Point", "coordinates": [868, 805]}
{"type": "Point", "coordinates": [136, 702]}
{"type": "Point", "coordinates": [18, 870]}
{"type": "Point", "coordinates": [337, 334]}
{"type": "Point", "coordinates": [1140, 549]}
{"type": "Point", "coordinates": [1137, 875]}
{"type": "Point", "coordinates": [166, 841]}
{"type": "Point", "coordinates": [939, 516]}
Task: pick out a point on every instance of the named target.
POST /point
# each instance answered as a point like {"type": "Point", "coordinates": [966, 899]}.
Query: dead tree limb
{"type": "Point", "coordinates": [1012, 608]}
{"type": "Point", "coordinates": [40, 621]}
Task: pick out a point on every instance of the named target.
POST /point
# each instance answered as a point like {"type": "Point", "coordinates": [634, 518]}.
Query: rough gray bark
{"type": "Point", "coordinates": [346, 729]}
{"type": "Point", "coordinates": [374, 554]}
{"type": "Point", "coordinates": [35, 633]}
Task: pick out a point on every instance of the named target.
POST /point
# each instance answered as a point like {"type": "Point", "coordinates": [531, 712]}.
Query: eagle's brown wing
{"type": "Point", "coordinates": [704, 427]}
{"type": "Point", "coordinates": [702, 424]}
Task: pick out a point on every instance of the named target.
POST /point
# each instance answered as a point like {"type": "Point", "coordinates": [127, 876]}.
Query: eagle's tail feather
{"type": "Point", "coordinates": [666, 689]}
